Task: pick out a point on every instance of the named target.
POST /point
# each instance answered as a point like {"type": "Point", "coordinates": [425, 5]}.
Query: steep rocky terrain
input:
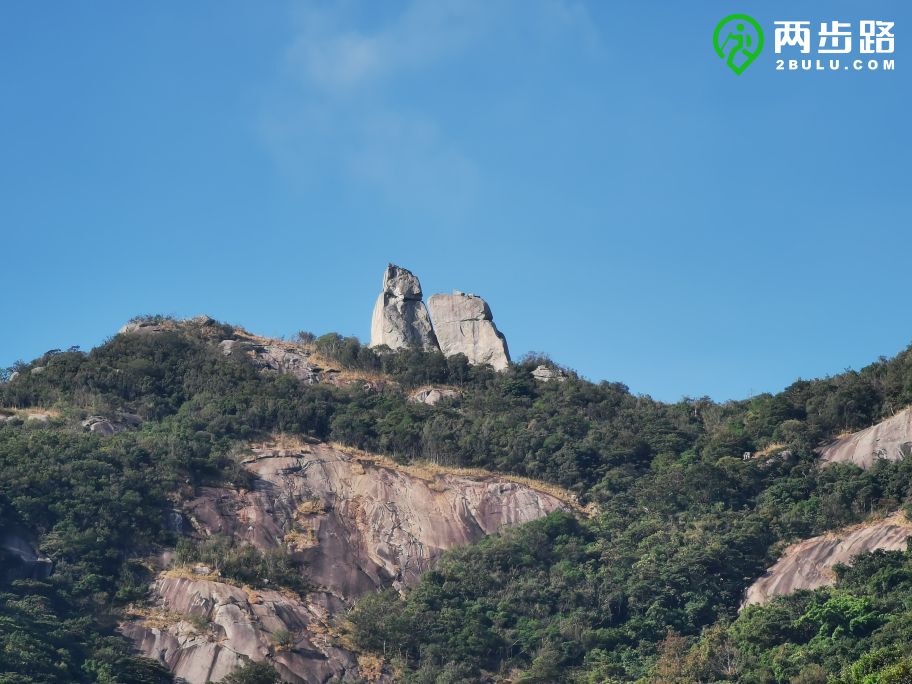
{"type": "Point", "coordinates": [358, 524]}
{"type": "Point", "coordinates": [890, 439]}
{"type": "Point", "coordinates": [202, 630]}
{"type": "Point", "coordinates": [809, 563]}
{"type": "Point", "coordinates": [464, 325]}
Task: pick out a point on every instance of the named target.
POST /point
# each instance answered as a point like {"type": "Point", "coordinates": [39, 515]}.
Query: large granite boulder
{"type": "Point", "coordinates": [400, 318]}
{"type": "Point", "coordinates": [464, 325]}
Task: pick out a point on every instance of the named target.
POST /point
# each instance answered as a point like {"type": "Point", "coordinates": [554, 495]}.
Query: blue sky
{"type": "Point", "coordinates": [622, 200]}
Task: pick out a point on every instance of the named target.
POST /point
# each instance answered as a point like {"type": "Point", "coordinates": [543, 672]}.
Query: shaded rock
{"type": "Point", "coordinates": [890, 439]}
{"type": "Point", "coordinates": [809, 563]}
{"type": "Point", "coordinates": [101, 426]}
{"type": "Point", "coordinates": [400, 318]}
{"type": "Point", "coordinates": [239, 623]}
{"type": "Point", "coordinates": [20, 560]}
{"type": "Point", "coordinates": [111, 426]}
{"type": "Point", "coordinates": [545, 373]}
{"type": "Point", "coordinates": [464, 325]}
{"type": "Point", "coordinates": [431, 395]}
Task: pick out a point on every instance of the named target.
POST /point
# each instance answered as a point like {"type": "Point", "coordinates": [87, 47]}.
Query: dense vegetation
{"type": "Point", "coordinates": [648, 585]}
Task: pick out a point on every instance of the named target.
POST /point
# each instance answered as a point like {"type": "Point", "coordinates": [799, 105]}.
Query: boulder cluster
{"type": "Point", "coordinates": [455, 323]}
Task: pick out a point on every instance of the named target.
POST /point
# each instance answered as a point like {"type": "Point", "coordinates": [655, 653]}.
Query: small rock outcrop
{"type": "Point", "coordinates": [400, 318]}
{"type": "Point", "coordinates": [809, 563]}
{"type": "Point", "coordinates": [464, 325]}
{"type": "Point", "coordinates": [545, 373]}
{"type": "Point", "coordinates": [431, 395]}
{"type": "Point", "coordinates": [890, 439]}
{"type": "Point", "coordinates": [111, 426]}
{"type": "Point", "coordinates": [278, 356]}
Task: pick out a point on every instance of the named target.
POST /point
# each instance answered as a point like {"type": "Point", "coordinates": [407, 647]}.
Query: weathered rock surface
{"type": "Point", "coordinates": [890, 439]}
{"type": "Point", "coordinates": [545, 373]}
{"type": "Point", "coordinates": [238, 622]}
{"type": "Point", "coordinates": [359, 525]}
{"type": "Point", "coordinates": [809, 563]}
{"type": "Point", "coordinates": [464, 325]}
{"type": "Point", "coordinates": [400, 318]}
{"type": "Point", "coordinates": [431, 395]}
{"type": "Point", "coordinates": [356, 523]}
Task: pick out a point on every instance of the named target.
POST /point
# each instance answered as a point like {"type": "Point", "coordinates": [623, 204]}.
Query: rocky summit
{"type": "Point", "coordinates": [455, 323]}
{"type": "Point", "coordinates": [400, 317]}
{"type": "Point", "coordinates": [464, 325]}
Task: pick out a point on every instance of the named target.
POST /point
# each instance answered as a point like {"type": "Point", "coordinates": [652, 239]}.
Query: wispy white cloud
{"type": "Point", "coordinates": [337, 109]}
{"type": "Point", "coordinates": [329, 53]}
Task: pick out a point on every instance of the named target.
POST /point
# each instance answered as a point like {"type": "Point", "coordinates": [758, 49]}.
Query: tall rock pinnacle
{"type": "Point", "coordinates": [400, 318]}
{"type": "Point", "coordinates": [464, 325]}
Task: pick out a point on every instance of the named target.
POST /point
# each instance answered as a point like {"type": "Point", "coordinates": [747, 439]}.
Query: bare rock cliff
{"type": "Point", "coordinates": [809, 563]}
{"type": "Point", "coordinates": [890, 439]}
{"type": "Point", "coordinates": [358, 524]}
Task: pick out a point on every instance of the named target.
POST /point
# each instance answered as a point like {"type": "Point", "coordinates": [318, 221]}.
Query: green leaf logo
{"type": "Point", "coordinates": [738, 39]}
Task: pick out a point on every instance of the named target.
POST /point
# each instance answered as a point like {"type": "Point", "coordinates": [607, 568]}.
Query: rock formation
{"type": "Point", "coordinates": [464, 325]}
{"type": "Point", "coordinates": [357, 524]}
{"type": "Point", "coordinates": [282, 357]}
{"type": "Point", "coordinates": [890, 439]}
{"type": "Point", "coordinates": [400, 318]}
{"type": "Point", "coordinates": [545, 373]}
{"type": "Point", "coordinates": [809, 563]}
{"type": "Point", "coordinates": [108, 427]}
{"type": "Point", "coordinates": [431, 395]}
{"type": "Point", "coordinates": [237, 623]}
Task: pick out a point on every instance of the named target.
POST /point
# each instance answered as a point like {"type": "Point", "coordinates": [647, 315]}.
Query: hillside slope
{"type": "Point", "coordinates": [144, 475]}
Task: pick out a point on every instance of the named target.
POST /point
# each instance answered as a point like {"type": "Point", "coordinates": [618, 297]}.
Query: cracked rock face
{"type": "Point", "coordinates": [890, 439]}
{"type": "Point", "coordinates": [400, 318]}
{"type": "Point", "coordinates": [202, 630]}
{"type": "Point", "coordinates": [809, 563]}
{"type": "Point", "coordinates": [464, 325]}
{"type": "Point", "coordinates": [357, 525]}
